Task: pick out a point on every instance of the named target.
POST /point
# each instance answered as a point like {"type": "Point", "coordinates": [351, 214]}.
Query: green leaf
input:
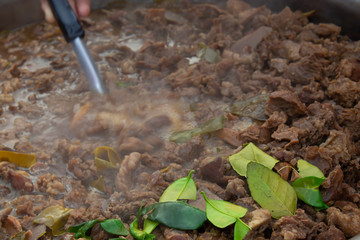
{"type": "Point", "coordinates": [183, 188]}
{"type": "Point", "coordinates": [208, 127]}
{"type": "Point", "coordinates": [252, 107]}
{"type": "Point", "coordinates": [136, 232]}
{"type": "Point", "coordinates": [208, 54]}
{"type": "Point", "coordinates": [240, 230]}
{"type": "Point", "coordinates": [222, 213]}
{"type": "Point", "coordinates": [213, 124]}
{"type": "Point", "coordinates": [307, 189]}
{"type": "Point", "coordinates": [250, 153]}
{"type": "Point", "coordinates": [270, 191]}
{"type": "Point", "coordinates": [114, 226]}
{"type": "Point", "coordinates": [54, 217]}
{"type": "Point", "coordinates": [178, 215]}
{"type": "Point", "coordinates": [84, 231]}
{"type": "Point", "coordinates": [183, 136]}
{"type": "Point", "coordinates": [306, 169]}
{"type": "Point", "coordinates": [75, 228]}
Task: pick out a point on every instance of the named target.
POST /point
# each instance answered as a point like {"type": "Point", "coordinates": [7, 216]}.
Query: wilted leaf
{"type": "Point", "coordinates": [307, 189]}
{"type": "Point", "coordinates": [208, 54]}
{"type": "Point", "coordinates": [178, 215]}
{"type": "Point", "coordinates": [208, 127]}
{"type": "Point", "coordinates": [252, 107]}
{"type": "Point", "coordinates": [270, 191]}
{"type": "Point", "coordinates": [19, 236]}
{"type": "Point", "coordinates": [222, 213]}
{"type": "Point", "coordinates": [183, 188]}
{"type": "Point", "coordinates": [306, 169]}
{"type": "Point", "coordinates": [19, 159]}
{"type": "Point", "coordinates": [250, 153]}
{"type": "Point", "coordinates": [106, 158]}
{"type": "Point", "coordinates": [99, 184]}
{"type": "Point", "coordinates": [54, 217]}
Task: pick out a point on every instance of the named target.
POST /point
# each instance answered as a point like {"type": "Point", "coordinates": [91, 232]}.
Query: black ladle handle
{"type": "Point", "coordinates": [67, 20]}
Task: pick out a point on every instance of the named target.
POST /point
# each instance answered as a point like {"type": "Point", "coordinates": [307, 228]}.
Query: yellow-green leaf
{"type": "Point", "coordinates": [54, 217]}
{"type": "Point", "coordinates": [240, 230]}
{"type": "Point", "coordinates": [99, 184]}
{"type": "Point", "coordinates": [222, 213]}
{"type": "Point", "coordinates": [306, 169]}
{"type": "Point", "coordinates": [183, 188]}
{"type": "Point", "coordinates": [19, 159]}
{"type": "Point", "coordinates": [270, 191]}
{"type": "Point", "coordinates": [250, 153]}
{"type": "Point", "coordinates": [106, 158]}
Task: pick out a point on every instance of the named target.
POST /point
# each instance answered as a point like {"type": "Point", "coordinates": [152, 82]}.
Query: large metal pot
{"type": "Point", "coordinates": [345, 13]}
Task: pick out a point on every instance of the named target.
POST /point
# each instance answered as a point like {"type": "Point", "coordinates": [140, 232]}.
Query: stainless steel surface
{"type": "Point", "coordinates": [88, 65]}
{"type": "Point", "coordinates": [345, 13]}
{"type": "Point", "coordinates": [16, 13]}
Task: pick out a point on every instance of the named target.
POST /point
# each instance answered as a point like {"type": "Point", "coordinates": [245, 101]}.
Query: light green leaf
{"type": "Point", "coordinates": [270, 191]}
{"type": "Point", "coordinates": [222, 213]}
{"type": "Point", "coordinates": [250, 153]}
{"type": "Point", "coordinates": [307, 189]}
{"type": "Point", "coordinates": [183, 188]}
{"type": "Point", "coordinates": [240, 230]}
{"type": "Point", "coordinates": [306, 169]}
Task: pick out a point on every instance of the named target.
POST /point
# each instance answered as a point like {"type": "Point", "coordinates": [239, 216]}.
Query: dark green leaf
{"type": "Point", "coordinates": [84, 230]}
{"type": "Point", "coordinates": [252, 107]}
{"type": "Point", "coordinates": [75, 228]}
{"type": "Point", "coordinates": [178, 215]}
{"type": "Point", "coordinates": [270, 191]}
{"type": "Point", "coordinates": [183, 188]}
{"type": "Point", "coordinates": [307, 190]}
{"type": "Point", "coordinates": [250, 153]}
{"type": "Point", "coordinates": [114, 226]}
{"type": "Point", "coordinates": [240, 230]}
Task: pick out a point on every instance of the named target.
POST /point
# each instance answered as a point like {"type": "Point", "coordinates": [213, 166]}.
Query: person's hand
{"type": "Point", "coordinates": [80, 7]}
